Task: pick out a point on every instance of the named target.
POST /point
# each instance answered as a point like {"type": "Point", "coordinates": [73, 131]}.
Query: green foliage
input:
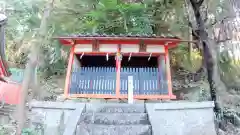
{"type": "Point", "coordinates": [114, 16]}
{"type": "Point", "coordinates": [229, 68]}
{"type": "Point", "coordinates": [29, 131]}
{"type": "Point", "coordinates": [85, 16]}
{"type": "Point", "coordinates": [161, 17]}
{"type": "Point", "coordinates": [189, 60]}
{"type": "Point", "coordinates": [111, 16]}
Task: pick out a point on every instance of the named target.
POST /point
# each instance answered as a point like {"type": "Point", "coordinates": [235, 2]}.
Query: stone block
{"type": "Point", "coordinates": [91, 129]}
{"type": "Point", "coordinates": [71, 125]}
{"type": "Point", "coordinates": [53, 122]}
{"type": "Point", "coordinates": [181, 118]}
{"type": "Point", "coordinates": [115, 108]}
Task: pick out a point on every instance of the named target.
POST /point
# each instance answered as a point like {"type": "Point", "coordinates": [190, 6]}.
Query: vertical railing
{"type": "Point", "coordinates": [145, 81]}
{"type": "Point", "coordinates": [102, 80]}
{"type": "Point", "coordinates": [149, 81]}
{"type": "Point", "coordinates": [93, 80]}
{"type": "Point", "coordinates": [125, 72]}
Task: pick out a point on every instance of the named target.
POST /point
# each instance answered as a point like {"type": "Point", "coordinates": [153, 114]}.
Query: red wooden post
{"type": "Point", "coordinates": [118, 69]}
{"type": "Point", "coordinates": [168, 69]}
{"type": "Point", "coordinates": [159, 73]}
{"type": "Point", "coordinates": [69, 69]}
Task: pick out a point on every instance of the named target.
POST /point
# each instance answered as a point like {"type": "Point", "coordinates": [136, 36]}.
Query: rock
{"type": "Point", "coordinates": [232, 91]}
{"type": "Point", "coordinates": [192, 94]}
{"type": "Point", "coordinates": [153, 101]}
{"type": "Point", "coordinates": [61, 98]}
{"type": "Point", "coordinates": [122, 100]}
{"type": "Point", "coordinates": [81, 100]}
{"type": "Point", "coordinates": [221, 132]}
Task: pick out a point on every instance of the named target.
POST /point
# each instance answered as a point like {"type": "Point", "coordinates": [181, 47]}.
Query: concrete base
{"type": "Point", "coordinates": [181, 118]}
{"type": "Point", "coordinates": [173, 118]}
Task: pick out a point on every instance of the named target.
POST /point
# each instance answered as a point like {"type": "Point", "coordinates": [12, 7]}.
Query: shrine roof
{"type": "Point", "coordinates": [119, 39]}
{"type": "Point", "coordinates": [116, 37]}
{"type": "Point", "coordinates": [122, 35]}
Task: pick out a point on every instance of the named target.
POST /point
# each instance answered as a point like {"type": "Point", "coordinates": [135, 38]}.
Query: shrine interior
{"type": "Point", "coordinates": [101, 61]}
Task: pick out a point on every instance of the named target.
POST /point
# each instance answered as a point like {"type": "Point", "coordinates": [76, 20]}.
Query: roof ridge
{"type": "Point", "coordinates": [123, 35]}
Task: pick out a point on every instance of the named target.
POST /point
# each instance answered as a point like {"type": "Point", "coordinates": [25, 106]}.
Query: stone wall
{"type": "Point", "coordinates": [172, 118]}
{"type": "Point", "coordinates": [55, 117]}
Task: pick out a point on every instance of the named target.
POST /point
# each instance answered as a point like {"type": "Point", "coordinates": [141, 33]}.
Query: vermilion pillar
{"type": "Point", "coordinates": [168, 73]}
{"type": "Point", "coordinates": [69, 70]}
{"type": "Point", "coordinates": [118, 74]}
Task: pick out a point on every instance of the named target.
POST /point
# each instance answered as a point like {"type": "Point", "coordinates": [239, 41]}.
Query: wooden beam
{"type": "Point", "coordinates": [107, 96]}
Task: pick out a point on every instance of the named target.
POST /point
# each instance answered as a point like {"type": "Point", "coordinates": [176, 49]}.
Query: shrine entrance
{"type": "Point", "coordinates": [93, 74]}
{"type": "Point", "coordinates": [96, 74]}
{"type": "Point", "coordinates": [109, 61]}
{"type": "Point", "coordinates": [100, 66]}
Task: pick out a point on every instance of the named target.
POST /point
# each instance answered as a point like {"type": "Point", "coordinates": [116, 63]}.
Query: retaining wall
{"type": "Point", "coordinates": [182, 118]}
{"type": "Point", "coordinates": [174, 118]}
{"type": "Point", "coordinates": [58, 118]}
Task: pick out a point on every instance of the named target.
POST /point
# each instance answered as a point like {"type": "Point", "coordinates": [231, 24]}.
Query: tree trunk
{"type": "Point", "coordinates": [209, 53]}
{"type": "Point", "coordinates": [30, 68]}
{"type": "Point", "coordinates": [217, 87]}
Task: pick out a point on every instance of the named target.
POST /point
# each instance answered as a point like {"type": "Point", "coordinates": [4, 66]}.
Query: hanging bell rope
{"type": "Point", "coordinates": [81, 56]}
{"type": "Point", "coordinates": [150, 56]}
{"type": "Point", "coordinates": [107, 58]}
{"type": "Point", "coordinates": [129, 58]}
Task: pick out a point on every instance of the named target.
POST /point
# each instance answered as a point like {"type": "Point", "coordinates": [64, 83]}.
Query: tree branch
{"type": "Point", "coordinates": [200, 2]}
{"type": "Point", "coordinates": [220, 20]}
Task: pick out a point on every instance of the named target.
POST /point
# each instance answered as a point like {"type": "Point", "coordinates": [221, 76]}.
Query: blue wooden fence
{"type": "Point", "coordinates": [93, 80]}
{"type": "Point", "coordinates": [102, 80]}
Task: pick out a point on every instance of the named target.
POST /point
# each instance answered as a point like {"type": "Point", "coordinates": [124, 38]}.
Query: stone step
{"type": "Point", "coordinates": [115, 118]}
{"type": "Point", "coordinates": [115, 108]}
{"type": "Point", "coordinates": [94, 129]}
